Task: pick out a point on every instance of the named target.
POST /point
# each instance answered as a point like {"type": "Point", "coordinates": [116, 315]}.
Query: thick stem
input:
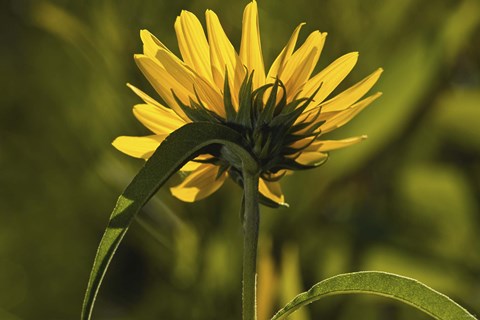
{"type": "Point", "coordinates": [250, 240]}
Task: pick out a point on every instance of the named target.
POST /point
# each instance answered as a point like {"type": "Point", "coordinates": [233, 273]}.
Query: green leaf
{"type": "Point", "coordinates": [390, 285]}
{"type": "Point", "coordinates": [178, 148]}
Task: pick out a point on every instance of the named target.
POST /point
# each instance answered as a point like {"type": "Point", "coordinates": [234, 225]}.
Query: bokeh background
{"type": "Point", "coordinates": [406, 200]}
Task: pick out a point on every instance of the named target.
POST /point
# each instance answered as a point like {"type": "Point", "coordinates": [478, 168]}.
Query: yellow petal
{"type": "Point", "coordinates": [145, 97]}
{"type": "Point", "coordinates": [330, 77]}
{"type": "Point", "coordinates": [163, 83]}
{"type": "Point", "coordinates": [168, 73]}
{"type": "Point", "coordinates": [183, 76]}
{"type": "Point", "coordinates": [190, 166]}
{"type": "Point", "coordinates": [301, 74]}
{"type": "Point", "coordinates": [199, 184]}
{"type": "Point", "coordinates": [160, 120]}
{"type": "Point", "coordinates": [223, 57]}
{"type": "Point", "coordinates": [300, 66]}
{"type": "Point", "coordinates": [139, 147]}
{"type": "Point", "coordinates": [300, 144]}
{"type": "Point", "coordinates": [194, 165]}
{"type": "Point", "coordinates": [151, 44]}
{"type": "Point", "coordinates": [193, 44]}
{"type": "Point", "coordinates": [279, 64]}
{"type": "Point", "coordinates": [271, 190]}
{"type": "Point", "coordinates": [250, 47]}
{"type": "Point", "coordinates": [333, 118]}
{"type": "Point", "coordinates": [345, 116]}
{"type": "Point", "coordinates": [329, 145]}
{"type": "Point", "coordinates": [345, 99]}
{"type": "Point", "coordinates": [311, 158]}
{"type": "Point", "coordinates": [191, 82]}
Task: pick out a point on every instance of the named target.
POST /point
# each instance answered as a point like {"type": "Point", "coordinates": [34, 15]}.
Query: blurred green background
{"type": "Point", "coordinates": [406, 201]}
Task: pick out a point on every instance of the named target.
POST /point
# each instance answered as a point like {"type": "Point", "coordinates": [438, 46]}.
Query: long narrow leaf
{"type": "Point", "coordinates": [179, 147]}
{"type": "Point", "coordinates": [407, 290]}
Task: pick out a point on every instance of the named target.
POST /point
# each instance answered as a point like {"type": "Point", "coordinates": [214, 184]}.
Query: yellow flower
{"type": "Point", "coordinates": [281, 114]}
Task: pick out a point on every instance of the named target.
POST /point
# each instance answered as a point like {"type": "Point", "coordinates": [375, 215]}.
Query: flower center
{"type": "Point", "coordinates": [270, 125]}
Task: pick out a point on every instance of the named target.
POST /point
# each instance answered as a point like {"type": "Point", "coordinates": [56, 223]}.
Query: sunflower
{"type": "Point", "coordinates": [282, 113]}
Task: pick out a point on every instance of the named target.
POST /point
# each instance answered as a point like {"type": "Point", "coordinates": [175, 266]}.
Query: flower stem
{"type": "Point", "coordinates": [250, 240]}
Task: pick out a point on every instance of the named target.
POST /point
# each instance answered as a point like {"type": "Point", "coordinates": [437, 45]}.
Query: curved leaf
{"type": "Point", "coordinates": [177, 149]}
{"type": "Point", "coordinates": [407, 290]}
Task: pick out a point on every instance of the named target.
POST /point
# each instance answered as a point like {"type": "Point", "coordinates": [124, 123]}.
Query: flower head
{"type": "Point", "coordinates": [282, 114]}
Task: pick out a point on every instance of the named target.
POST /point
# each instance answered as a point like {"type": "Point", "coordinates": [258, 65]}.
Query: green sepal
{"type": "Point", "coordinates": [227, 100]}
{"type": "Point", "coordinates": [390, 285]}
{"type": "Point", "coordinates": [268, 111]}
{"type": "Point", "coordinates": [197, 112]}
{"type": "Point", "coordinates": [245, 103]}
{"type": "Point", "coordinates": [177, 149]}
{"type": "Point", "coordinates": [292, 111]}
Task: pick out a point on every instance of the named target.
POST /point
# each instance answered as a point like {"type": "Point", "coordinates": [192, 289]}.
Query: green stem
{"type": "Point", "coordinates": [250, 240]}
